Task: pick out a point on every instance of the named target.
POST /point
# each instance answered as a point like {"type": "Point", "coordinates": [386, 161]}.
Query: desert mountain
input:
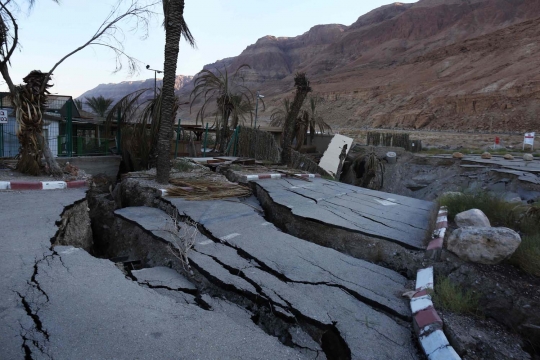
{"type": "Point", "coordinates": [434, 64]}
{"type": "Point", "coordinates": [119, 90]}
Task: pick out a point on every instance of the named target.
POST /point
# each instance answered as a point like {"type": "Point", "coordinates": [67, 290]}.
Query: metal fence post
{"type": "Point", "coordinates": [1, 131]}
{"type": "Point", "coordinates": [205, 140]}
{"type": "Point", "coordinates": [177, 138]}
{"type": "Point", "coordinates": [118, 132]}
{"type": "Point", "coordinates": [235, 152]}
{"type": "Point", "coordinates": [69, 128]}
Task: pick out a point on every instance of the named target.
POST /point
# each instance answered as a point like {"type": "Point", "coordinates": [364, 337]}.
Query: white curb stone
{"type": "Point", "coordinates": [420, 303]}
{"type": "Point", "coordinates": [433, 342]}
{"type": "Point", "coordinates": [5, 185]}
{"type": "Point", "coordinates": [439, 233]}
{"type": "Point", "coordinates": [54, 185]}
{"type": "Point", "coordinates": [445, 353]}
{"type": "Point", "coordinates": [424, 279]}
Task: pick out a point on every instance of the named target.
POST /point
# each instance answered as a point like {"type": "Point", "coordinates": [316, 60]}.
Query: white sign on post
{"type": "Point", "coordinates": [3, 116]}
{"type": "Point", "coordinates": [529, 140]}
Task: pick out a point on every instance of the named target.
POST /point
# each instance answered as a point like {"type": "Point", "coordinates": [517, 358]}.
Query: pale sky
{"type": "Point", "coordinates": [222, 28]}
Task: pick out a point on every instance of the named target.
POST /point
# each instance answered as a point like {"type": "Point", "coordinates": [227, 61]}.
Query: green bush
{"type": "Point", "coordinates": [452, 297]}
{"type": "Point", "coordinates": [527, 256]}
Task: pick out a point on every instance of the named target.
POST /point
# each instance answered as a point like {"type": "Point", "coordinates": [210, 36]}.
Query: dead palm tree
{"type": "Point", "coordinates": [232, 97]}
{"type": "Point", "coordinates": [31, 102]}
{"type": "Point", "coordinates": [175, 27]}
{"type": "Point", "coordinates": [99, 105]}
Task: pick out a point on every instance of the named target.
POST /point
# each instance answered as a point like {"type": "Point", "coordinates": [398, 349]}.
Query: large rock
{"type": "Point", "coordinates": [473, 217]}
{"type": "Point", "coordinates": [528, 157]}
{"type": "Point", "coordinates": [484, 245]}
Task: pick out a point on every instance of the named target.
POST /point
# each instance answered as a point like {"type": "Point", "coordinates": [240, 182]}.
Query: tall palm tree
{"type": "Point", "coordinates": [175, 27]}
{"type": "Point", "coordinates": [301, 83]}
{"type": "Point", "coordinates": [232, 97]}
{"type": "Point", "coordinates": [99, 105]}
{"type": "Point", "coordinates": [315, 120]}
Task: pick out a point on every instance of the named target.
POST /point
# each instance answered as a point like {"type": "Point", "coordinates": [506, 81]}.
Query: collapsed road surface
{"type": "Point", "coordinates": [254, 292]}
{"type": "Point", "coordinates": [62, 303]}
{"type": "Point", "coordinates": [367, 224]}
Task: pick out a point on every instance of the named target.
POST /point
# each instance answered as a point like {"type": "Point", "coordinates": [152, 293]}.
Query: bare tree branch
{"type": "Point", "coordinates": [108, 29]}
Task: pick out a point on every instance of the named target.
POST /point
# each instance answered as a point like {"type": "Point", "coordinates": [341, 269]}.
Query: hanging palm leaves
{"type": "Point", "coordinates": [231, 97]}
{"type": "Point", "coordinates": [139, 125]}
{"type": "Point", "coordinates": [30, 103]}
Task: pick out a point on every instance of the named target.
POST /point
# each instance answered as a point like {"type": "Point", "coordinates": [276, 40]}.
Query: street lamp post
{"type": "Point", "coordinates": [259, 96]}
{"type": "Point", "coordinates": [155, 78]}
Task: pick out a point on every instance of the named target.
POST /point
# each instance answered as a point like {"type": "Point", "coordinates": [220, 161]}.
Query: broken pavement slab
{"type": "Point", "coordinates": [163, 277]}
{"type": "Point", "coordinates": [398, 219]}
{"type": "Point", "coordinates": [315, 284]}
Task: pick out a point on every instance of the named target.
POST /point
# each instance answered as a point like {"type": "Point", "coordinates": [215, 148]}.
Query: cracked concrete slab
{"type": "Point", "coordinates": [111, 317]}
{"type": "Point", "coordinates": [28, 223]}
{"type": "Point", "coordinates": [295, 259]}
{"type": "Point", "coordinates": [402, 220]}
{"type": "Point", "coordinates": [298, 279]}
{"type": "Point", "coordinates": [161, 276]}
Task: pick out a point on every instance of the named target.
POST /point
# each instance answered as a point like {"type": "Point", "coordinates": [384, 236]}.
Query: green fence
{"type": "Point", "coordinates": [83, 146]}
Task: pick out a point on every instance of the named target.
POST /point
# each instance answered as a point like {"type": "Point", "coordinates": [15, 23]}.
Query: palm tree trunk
{"type": "Point", "coordinates": [290, 124]}
{"type": "Point", "coordinates": [173, 32]}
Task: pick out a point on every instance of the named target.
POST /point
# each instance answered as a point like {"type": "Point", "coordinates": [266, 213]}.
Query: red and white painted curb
{"type": "Point", "coordinates": [41, 185]}
{"type": "Point", "coordinates": [427, 323]}
{"type": "Point", "coordinates": [435, 246]}
{"type": "Point", "coordinates": [277, 176]}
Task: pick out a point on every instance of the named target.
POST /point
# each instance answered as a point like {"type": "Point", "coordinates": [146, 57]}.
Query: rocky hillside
{"type": "Point", "coordinates": [117, 91]}
{"type": "Point", "coordinates": [434, 64]}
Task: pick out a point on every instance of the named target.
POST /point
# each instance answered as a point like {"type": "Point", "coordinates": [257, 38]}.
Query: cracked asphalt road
{"type": "Point", "coordinates": [399, 219]}
{"type": "Point", "coordinates": [27, 223]}
{"type": "Point", "coordinates": [301, 281]}
{"type": "Point", "coordinates": [66, 304]}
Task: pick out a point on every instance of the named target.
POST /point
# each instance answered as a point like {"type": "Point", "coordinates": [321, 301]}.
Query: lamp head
{"type": "Point", "coordinates": [148, 66]}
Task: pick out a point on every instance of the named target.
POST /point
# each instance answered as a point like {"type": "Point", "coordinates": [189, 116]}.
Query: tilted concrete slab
{"type": "Point", "coordinates": [299, 279]}
{"type": "Point", "coordinates": [402, 220]}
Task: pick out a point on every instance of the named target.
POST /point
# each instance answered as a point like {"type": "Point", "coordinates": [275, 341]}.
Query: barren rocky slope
{"type": "Point", "coordinates": [434, 64]}
{"type": "Point", "coordinates": [464, 65]}
{"type": "Point", "coordinates": [117, 91]}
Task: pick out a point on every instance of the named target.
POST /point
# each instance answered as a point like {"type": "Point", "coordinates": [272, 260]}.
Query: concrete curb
{"type": "Point", "coordinates": [276, 176]}
{"type": "Point", "coordinates": [427, 323]}
{"type": "Point", "coordinates": [435, 246]}
{"type": "Point", "coordinates": [41, 185]}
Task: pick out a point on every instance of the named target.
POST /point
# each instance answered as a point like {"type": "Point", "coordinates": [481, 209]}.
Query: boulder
{"type": "Point", "coordinates": [528, 157]}
{"type": "Point", "coordinates": [473, 217]}
{"type": "Point", "coordinates": [508, 157]}
{"type": "Point", "coordinates": [484, 245]}
{"type": "Point", "coordinates": [486, 155]}
{"type": "Point", "coordinates": [457, 155]}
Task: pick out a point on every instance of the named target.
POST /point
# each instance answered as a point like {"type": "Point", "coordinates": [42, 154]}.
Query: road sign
{"type": "Point", "coordinates": [529, 140]}
{"type": "Point", "coordinates": [3, 116]}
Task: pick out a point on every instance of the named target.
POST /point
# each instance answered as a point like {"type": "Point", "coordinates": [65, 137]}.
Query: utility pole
{"type": "Point", "coordinates": [259, 96]}
{"type": "Point", "coordinates": [155, 78]}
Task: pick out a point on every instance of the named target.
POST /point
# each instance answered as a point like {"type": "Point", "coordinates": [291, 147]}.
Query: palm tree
{"type": "Point", "coordinates": [301, 83]}
{"type": "Point", "coordinates": [175, 27]}
{"type": "Point", "coordinates": [232, 97]}
{"type": "Point", "coordinates": [78, 103]}
{"type": "Point", "coordinates": [315, 120]}
{"type": "Point", "coordinates": [99, 105]}
{"type": "Point", "coordinates": [279, 114]}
